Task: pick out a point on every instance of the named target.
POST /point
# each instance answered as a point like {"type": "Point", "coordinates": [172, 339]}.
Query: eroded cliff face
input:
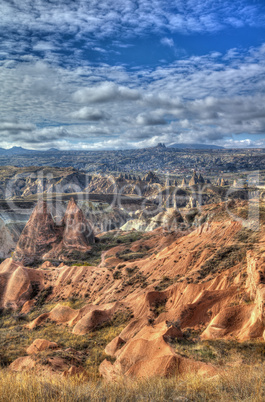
{"type": "Point", "coordinates": [42, 237]}
{"type": "Point", "coordinates": [25, 182]}
{"type": "Point", "coordinates": [244, 320]}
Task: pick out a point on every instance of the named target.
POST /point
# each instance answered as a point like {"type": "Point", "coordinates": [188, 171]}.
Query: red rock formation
{"type": "Point", "coordinates": [78, 233]}
{"type": "Point", "coordinates": [149, 354]}
{"type": "Point", "coordinates": [38, 236]}
{"type": "Point", "coordinates": [83, 321]}
{"type": "Point", "coordinates": [70, 364]}
{"type": "Point", "coordinates": [205, 280]}
{"type": "Point", "coordinates": [39, 345]}
{"type": "Point", "coordinates": [18, 284]}
{"type": "Point", "coordinates": [42, 238]}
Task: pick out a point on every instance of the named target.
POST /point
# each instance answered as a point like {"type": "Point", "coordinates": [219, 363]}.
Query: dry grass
{"type": "Point", "coordinates": [221, 353]}
{"type": "Point", "coordinates": [235, 384]}
{"type": "Point", "coordinates": [15, 338]}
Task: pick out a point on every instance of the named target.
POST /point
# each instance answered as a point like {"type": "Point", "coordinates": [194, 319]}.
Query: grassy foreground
{"type": "Point", "coordinates": [15, 338]}
{"type": "Point", "coordinates": [241, 367]}
{"type": "Point", "coordinates": [235, 384]}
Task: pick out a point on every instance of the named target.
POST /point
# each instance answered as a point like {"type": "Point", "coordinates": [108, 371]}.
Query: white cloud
{"type": "Point", "coordinates": [43, 46]}
{"type": "Point", "coordinates": [167, 42]}
{"type": "Point", "coordinates": [105, 92]}
{"type": "Point", "coordinates": [90, 114]}
{"type": "Point", "coordinates": [103, 18]}
{"type": "Point", "coordinates": [208, 98]}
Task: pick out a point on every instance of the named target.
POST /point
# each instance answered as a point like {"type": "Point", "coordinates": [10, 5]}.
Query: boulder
{"type": "Point", "coordinates": [39, 345]}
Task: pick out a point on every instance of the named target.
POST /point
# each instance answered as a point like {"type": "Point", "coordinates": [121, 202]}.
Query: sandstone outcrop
{"type": "Point", "coordinates": [9, 235]}
{"type": "Point", "coordinates": [149, 353]}
{"type": "Point", "coordinates": [42, 238]}
{"type": "Point", "coordinates": [222, 182]}
{"type": "Point", "coordinates": [83, 320]}
{"type": "Point", "coordinates": [194, 180]}
{"type": "Point", "coordinates": [39, 345]}
{"type": "Point", "coordinates": [46, 357]}
{"type": "Point", "coordinates": [151, 177]}
{"type": "Point", "coordinates": [245, 321]}
{"type": "Point", "coordinates": [201, 179]}
{"type": "Point", "coordinates": [38, 236]}
{"type": "Point", "coordinates": [18, 284]}
{"type": "Point", "coordinates": [169, 219]}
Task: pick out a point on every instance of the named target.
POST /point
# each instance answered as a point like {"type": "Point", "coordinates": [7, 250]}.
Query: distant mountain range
{"type": "Point", "coordinates": [194, 146]}
{"type": "Point", "coordinates": [22, 151]}
{"type": "Point", "coordinates": [14, 151]}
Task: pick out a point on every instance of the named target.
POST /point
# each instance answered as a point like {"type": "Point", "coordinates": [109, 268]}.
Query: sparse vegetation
{"type": "Point", "coordinates": [15, 338]}
{"type": "Point", "coordinates": [166, 282]}
{"type": "Point", "coordinates": [113, 239]}
{"type": "Point", "coordinates": [136, 277]}
{"type": "Point", "coordinates": [82, 264]}
{"type": "Point", "coordinates": [128, 255]}
{"type": "Point", "coordinates": [117, 275]}
{"type": "Point", "coordinates": [247, 236]}
{"type": "Point", "coordinates": [106, 242]}
{"type": "Point", "coordinates": [236, 380]}
{"type": "Point", "coordinates": [235, 384]}
{"type": "Point", "coordinates": [223, 259]}
{"type": "Point", "coordinates": [221, 352]}
{"type": "Point", "coordinates": [44, 294]}
{"type": "Point", "coordinates": [159, 307]}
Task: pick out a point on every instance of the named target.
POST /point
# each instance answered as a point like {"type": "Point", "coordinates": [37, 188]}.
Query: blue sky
{"type": "Point", "coordinates": [106, 75]}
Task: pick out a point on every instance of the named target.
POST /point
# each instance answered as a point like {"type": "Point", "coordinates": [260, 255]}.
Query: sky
{"type": "Point", "coordinates": [104, 74]}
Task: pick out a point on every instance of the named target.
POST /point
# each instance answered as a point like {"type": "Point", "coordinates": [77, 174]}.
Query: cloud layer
{"type": "Point", "coordinates": [64, 82]}
{"type": "Point", "coordinates": [129, 16]}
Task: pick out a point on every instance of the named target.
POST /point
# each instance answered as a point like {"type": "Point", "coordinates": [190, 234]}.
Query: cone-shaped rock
{"type": "Point", "coordinates": [78, 232]}
{"type": "Point", "coordinates": [43, 239]}
{"type": "Point", "coordinates": [194, 180]}
{"type": "Point", "coordinates": [151, 177]}
{"type": "Point", "coordinates": [184, 183]}
{"type": "Point", "coordinates": [37, 237]}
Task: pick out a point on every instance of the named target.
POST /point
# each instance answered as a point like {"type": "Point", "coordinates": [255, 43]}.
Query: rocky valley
{"type": "Point", "coordinates": [108, 201]}
{"type": "Point", "coordinates": [130, 277]}
{"type": "Point", "coordinates": [166, 288]}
